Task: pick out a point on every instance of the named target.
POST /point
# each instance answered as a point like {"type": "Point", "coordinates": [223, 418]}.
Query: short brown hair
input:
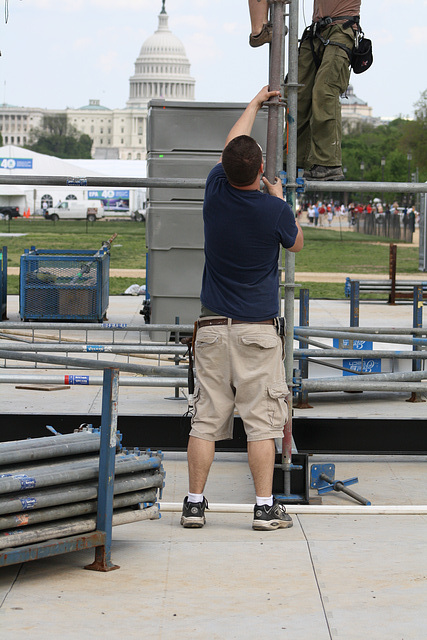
{"type": "Point", "coordinates": [242, 159]}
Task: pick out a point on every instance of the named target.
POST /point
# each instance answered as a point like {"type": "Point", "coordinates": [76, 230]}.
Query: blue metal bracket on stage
{"type": "Point", "coordinates": [322, 478]}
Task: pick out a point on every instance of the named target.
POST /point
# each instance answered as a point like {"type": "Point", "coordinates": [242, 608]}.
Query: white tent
{"type": "Point", "coordinates": [16, 161]}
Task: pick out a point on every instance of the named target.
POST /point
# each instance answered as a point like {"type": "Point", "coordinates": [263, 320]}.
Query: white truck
{"type": "Point", "coordinates": [76, 210]}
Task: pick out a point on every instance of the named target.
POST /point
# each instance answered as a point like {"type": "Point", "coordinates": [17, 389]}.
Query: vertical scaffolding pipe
{"type": "Point", "coordinates": [104, 520]}
{"type": "Point", "coordinates": [274, 152]}
{"type": "Point", "coordinates": [176, 359]}
{"type": "Point", "coordinates": [291, 170]}
{"type": "Point", "coordinates": [354, 303]}
{"type": "Point", "coordinates": [3, 283]}
{"type": "Point", "coordinates": [304, 299]}
{"type": "Point", "coordinates": [423, 233]}
{"type": "Point", "coordinates": [417, 323]}
{"type": "Point", "coordinates": [392, 273]}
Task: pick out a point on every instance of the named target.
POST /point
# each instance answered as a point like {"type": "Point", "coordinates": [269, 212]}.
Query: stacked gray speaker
{"type": "Point", "coordinates": [184, 140]}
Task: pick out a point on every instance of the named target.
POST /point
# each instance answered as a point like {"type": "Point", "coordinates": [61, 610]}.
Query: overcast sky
{"type": "Point", "coordinates": [61, 53]}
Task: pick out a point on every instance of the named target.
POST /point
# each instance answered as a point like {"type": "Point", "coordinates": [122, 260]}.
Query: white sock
{"type": "Point", "coordinates": [195, 497]}
{"type": "Point", "coordinates": [261, 501]}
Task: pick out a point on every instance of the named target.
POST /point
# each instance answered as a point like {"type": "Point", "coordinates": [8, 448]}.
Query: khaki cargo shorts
{"type": "Point", "coordinates": [239, 366]}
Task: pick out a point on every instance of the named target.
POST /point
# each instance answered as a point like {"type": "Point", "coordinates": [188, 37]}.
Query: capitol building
{"type": "Point", "coordinates": [162, 70]}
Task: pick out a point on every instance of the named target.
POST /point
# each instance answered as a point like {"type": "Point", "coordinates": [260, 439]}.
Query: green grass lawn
{"type": "Point", "coordinates": [127, 252]}
{"type": "Point", "coordinates": [330, 251]}
{"type": "Point", "coordinates": [324, 251]}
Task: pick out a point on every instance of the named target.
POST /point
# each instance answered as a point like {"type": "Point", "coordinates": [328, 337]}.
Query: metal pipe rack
{"type": "Point", "coordinates": [90, 531]}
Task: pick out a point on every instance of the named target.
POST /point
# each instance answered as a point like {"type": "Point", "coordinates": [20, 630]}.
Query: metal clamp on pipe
{"type": "Point", "coordinates": [288, 466]}
{"type": "Point", "coordinates": [297, 381]}
{"type": "Point", "coordinates": [299, 184]}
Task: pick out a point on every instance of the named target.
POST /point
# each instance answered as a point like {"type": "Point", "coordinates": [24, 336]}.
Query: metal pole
{"type": "Point", "coordinates": [66, 347]}
{"type": "Point", "coordinates": [195, 183]}
{"type": "Point", "coordinates": [300, 331]}
{"type": "Point", "coordinates": [87, 326]}
{"type": "Point", "coordinates": [374, 331]}
{"type": "Point", "coordinates": [392, 273]}
{"type": "Point", "coordinates": [417, 321]}
{"type": "Point", "coordinates": [304, 299]}
{"type": "Point", "coordinates": [373, 187]}
{"type": "Point", "coordinates": [291, 171]}
{"type": "Point", "coordinates": [354, 303]}
{"type": "Point", "coordinates": [10, 456]}
{"type": "Point", "coordinates": [81, 380]}
{"type": "Point", "coordinates": [73, 472]}
{"type": "Point", "coordinates": [47, 441]}
{"type": "Point", "coordinates": [177, 360]}
{"type": "Point", "coordinates": [274, 104]}
{"type": "Point", "coordinates": [104, 519]}
{"type": "Point", "coordinates": [95, 364]}
{"type": "Point", "coordinates": [273, 167]}
{"type": "Point", "coordinates": [357, 353]}
{"type": "Point", "coordinates": [340, 486]}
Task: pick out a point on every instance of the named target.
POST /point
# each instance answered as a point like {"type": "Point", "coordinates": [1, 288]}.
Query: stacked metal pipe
{"type": "Point", "coordinates": [49, 486]}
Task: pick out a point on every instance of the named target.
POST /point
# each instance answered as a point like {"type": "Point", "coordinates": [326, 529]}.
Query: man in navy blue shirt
{"type": "Point", "coordinates": [238, 352]}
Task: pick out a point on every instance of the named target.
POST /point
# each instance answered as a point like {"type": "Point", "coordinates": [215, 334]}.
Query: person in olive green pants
{"type": "Point", "coordinates": [319, 108]}
{"type": "Point", "coordinates": [323, 73]}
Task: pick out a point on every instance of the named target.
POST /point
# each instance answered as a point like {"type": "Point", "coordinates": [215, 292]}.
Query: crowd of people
{"type": "Point", "coordinates": [322, 214]}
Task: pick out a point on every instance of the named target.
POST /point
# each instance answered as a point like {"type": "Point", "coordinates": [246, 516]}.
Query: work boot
{"type": "Point", "coordinates": [318, 172]}
{"type": "Point", "coordinates": [193, 514]}
{"type": "Point", "coordinates": [267, 518]}
{"type": "Point", "coordinates": [264, 36]}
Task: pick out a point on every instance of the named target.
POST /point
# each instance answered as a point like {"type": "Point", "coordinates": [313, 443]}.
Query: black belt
{"type": "Point", "coordinates": [328, 20]}
{"type": "Point", "coordinates": [212, 322]}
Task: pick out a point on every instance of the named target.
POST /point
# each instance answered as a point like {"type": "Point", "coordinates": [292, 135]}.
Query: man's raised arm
{"type": "Point", "coordinates": [244, 124]}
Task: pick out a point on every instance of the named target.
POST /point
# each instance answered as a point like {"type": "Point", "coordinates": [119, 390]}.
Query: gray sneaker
{"type": "Point", "coordinates": [318, 172]}
{"type": "Point", "coordinates": [268, 518]}
{"type": "Point", "coordinates": [264, 36]}
{"type": "Point", "coordinates": [193, 514]}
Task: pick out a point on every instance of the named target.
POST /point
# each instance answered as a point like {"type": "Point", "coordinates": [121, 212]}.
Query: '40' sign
{"type": "Point", "coordinates": [16, 163]}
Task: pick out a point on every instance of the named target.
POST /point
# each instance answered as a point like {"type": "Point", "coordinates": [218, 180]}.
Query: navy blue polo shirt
{"type": "Point", "coordinates": [243, 234]}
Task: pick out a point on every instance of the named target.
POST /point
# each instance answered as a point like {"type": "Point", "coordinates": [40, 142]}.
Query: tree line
{"type": "Point", "coordinates": [57, 137]}
{"type": "Point", "coordinates": [393, 152]}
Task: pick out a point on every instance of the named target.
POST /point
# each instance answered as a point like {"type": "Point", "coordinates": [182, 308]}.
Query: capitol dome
{"type": "Point", "coordinates": [162, 69]}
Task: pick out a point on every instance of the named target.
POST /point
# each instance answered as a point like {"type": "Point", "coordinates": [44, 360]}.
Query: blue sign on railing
{"type": "Point", "coordinates": [356, 365]}
{"type": "Point", "coordinates": [358, 345]}
{"type": "Point", "coordinates": [16, 163]}
{"type": "Point", "coordinates": [370, 365]}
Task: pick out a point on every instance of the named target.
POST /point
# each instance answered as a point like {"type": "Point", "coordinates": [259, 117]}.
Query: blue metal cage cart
{"type": "Point", "coordinates": [64, 285]}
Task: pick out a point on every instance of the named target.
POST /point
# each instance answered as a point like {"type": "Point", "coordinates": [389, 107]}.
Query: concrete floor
{"type": "Point", "coordinates": [330, 576]}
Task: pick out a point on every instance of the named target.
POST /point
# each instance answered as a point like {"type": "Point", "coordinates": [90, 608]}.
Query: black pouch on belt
{"type": "Point", "coordinates": [281, 326]}
{"type": "Point", "coordinates": [362, 56]}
